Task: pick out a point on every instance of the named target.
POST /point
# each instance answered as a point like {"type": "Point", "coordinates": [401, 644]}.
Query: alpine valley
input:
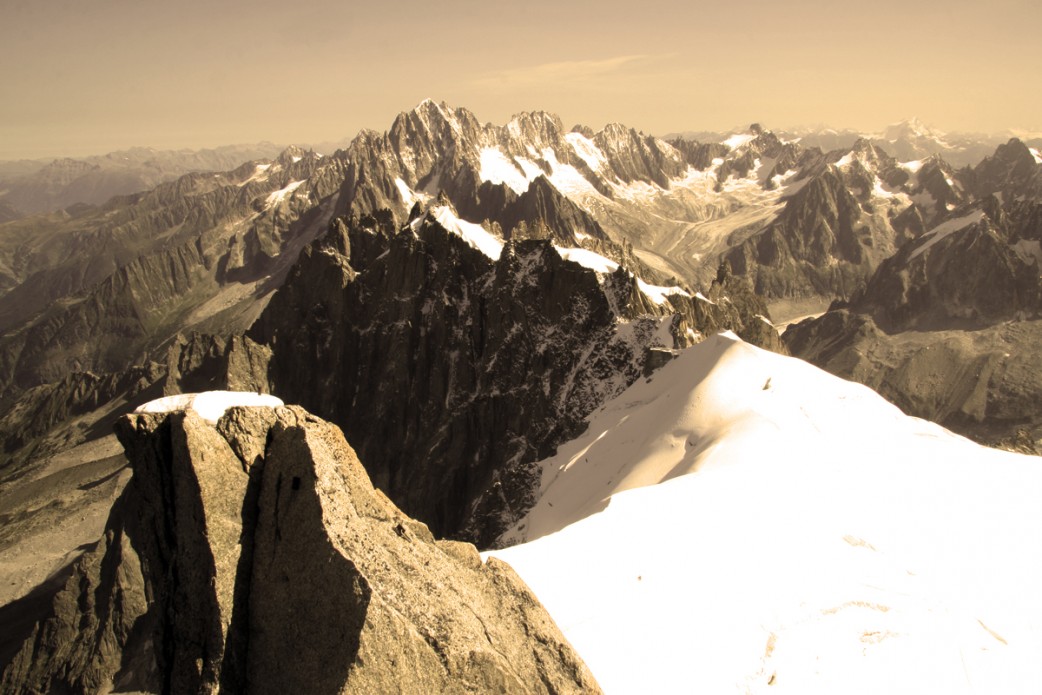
{"type": "Point", "coordinates": [577, 350]}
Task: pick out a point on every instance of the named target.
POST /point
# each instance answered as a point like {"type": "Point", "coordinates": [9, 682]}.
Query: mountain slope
{"type": "Point", "coordinates": [64, 182]}
{"type": "Point", "coordinates": [744, 522]}
{"type": "Point", "coordinates": [101, 290]}
{"type": "Point", "coordinates": [947, 327]}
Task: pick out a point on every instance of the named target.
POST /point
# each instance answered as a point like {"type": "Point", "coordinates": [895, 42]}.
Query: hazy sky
{"type": "Point", "coordinates": [89, 76]}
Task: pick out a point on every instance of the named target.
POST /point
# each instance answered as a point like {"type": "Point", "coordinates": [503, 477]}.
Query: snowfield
{"type": "Point", "coordinates": [743, 522]}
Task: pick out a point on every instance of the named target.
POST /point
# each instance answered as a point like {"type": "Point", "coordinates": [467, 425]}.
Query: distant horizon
{"type": "Point", "coordinates": [89, 78]}
{"type": "Point", "coordinates": [88, 151]}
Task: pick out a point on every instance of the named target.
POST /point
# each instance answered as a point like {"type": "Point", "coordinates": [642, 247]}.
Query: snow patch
{"type": "Point", "coordinates": [846, 160]}
{"type": "Point", "coordinates": [588, 259]}
{"type": "Point", "coordinates": [497, 168]}
{"type": "Point", "coordinates": [738, 140]}
{"type": "Point", "coordinates": [702, 298]}
{"type": "Point", "coordinates": [209, 405]}
{"type": "Point", "coordinates": [475, 235]}
{"type": "Point", "coordinates": [281, 194]}
{"type": "Point", "coordinates": [660, 295]}
{"type": "Point", "coordinates": [586, 150]}
{"type": "Point", "coordinates": [567, 178]}
{"type": "Point", "coordinates": [258, 174]}
{"type": "Point", "coordinates": [946, 229]}
{"type": "Point", "coordinates": [605, 266]}
{"type": "Point", "coordinates": [409, 196]}
{"type": "Point", "coordinates": [912, 167]}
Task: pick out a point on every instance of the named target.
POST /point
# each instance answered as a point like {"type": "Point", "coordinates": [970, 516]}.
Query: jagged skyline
{"type": "Point", "coordinates": [115, 74]}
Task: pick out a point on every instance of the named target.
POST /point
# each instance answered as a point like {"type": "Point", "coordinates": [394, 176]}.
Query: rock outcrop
{"type": "Point", "coordinates": [254, 555]}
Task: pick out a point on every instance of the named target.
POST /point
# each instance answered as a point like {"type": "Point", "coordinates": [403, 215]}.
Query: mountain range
{"type": "Point", "coordinates": [29, 187]}
{"type": "Point", "coordinates": [905, 140]}
{"type": "Point", "coordinates": [470, 303]}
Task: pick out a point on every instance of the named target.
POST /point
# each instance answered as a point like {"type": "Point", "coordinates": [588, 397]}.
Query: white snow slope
{"type": "Point", "coordinates": [746, 523]}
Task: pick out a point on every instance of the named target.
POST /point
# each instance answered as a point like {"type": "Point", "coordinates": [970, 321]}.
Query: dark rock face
{"type": "Point", "coordinates": [700, 155]}
{"type": "Point", "coordinates": [203, 362]}
{"type": "Point", "coordinates": [1012, 171]}
{"type": "Point", "coordinates": [541, 205]}
{"type": "Point", "coordinates": [814, 247]}
{"type": "Point", "coordinates": [409, 617]}
{"type": "Point", "coordinates": [452, 372]}
{"type": "Point", "coordinates": [978, 268]}
{"type": "Point", "coordinates": [939, 181]}
{"type": "Point", "coordinates": [255, 556]}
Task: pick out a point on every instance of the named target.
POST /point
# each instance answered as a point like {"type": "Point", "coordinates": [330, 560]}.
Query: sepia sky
{"type": "Point", "coordinates": [89, 76]}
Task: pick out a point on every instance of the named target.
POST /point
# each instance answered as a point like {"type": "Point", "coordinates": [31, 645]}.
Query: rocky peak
{"type": "Point", "coordinates": [1013, 170]}
{"type": "Point", "coordinates": [254, 555]}
{"type": "Point", "coordinates": [538, 128]}
{"type": "Point", "coordinates": [292, 155]}
{"type": "Point", "coordinates": [816, 242]}
{"type": "Point", "coordinates": [633, 156]}
{"type": "Point", "coordinates": [614, 136]}
{"type": "Point", "coordinates": [434, 124]}
{"type": "Point", "coordinates": [910, 129]}
{"type": "Point", "coordinates": [584, 130]}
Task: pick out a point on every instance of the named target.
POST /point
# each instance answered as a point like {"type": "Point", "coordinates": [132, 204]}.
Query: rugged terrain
{"type": "Point", "coordinates": [31, 187]}
{"type": "Point", "coordinates": [947, 328]}
{"type": "Point", "coordinates": [250, 553]}
{"type": "Point", "coordinates": [423, 347]}
{"type": "Point", "coordinates": [460, 297]}
{"type": "Point", "coordinates": [86, 295]}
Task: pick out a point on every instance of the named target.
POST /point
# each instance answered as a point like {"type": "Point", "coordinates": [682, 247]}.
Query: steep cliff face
{"type": "Point", "coordinates": [814, 246]}
{"type": "Point", "coordinates": [452, 370]}
{"type": "Point", "coordinates": [252, 554]}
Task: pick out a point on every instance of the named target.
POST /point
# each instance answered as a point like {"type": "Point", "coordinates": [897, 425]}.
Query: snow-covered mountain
{"type": "Point", "coordinates": [680, 206]}
{"type": "Point", "coordinates": [913, 139]}
{"type": "Point", "coordinates": [743, 522]}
